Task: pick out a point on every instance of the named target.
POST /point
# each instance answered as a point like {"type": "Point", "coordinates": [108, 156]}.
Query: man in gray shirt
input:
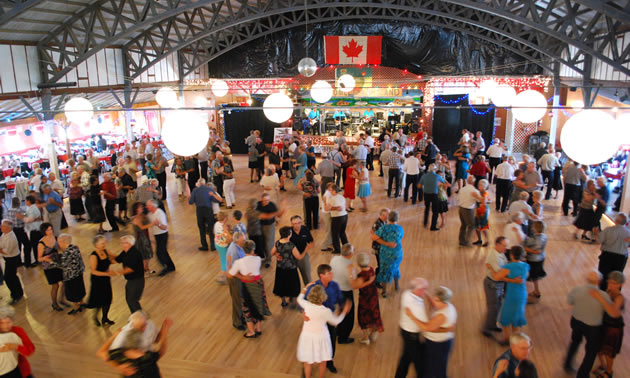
{"type": "Point", "coordinates": [614, 245]}
{"type": "Point", "coordinates": [574, 176]}
{"type": "Point", "coordinates": [343, 277]}
{"type": "Point", "coordinates": [326, 170]}
{"type": "Point", "coordinates": [532, 176]}
{"type": "Point", "coordinates": [586, 321]}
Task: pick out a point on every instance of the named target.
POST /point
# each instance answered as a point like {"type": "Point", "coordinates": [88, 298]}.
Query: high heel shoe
{"type": "Point", "coordinates": [56, 307]}
{"type": "Point", "coordinates": [74, 311]}
{"type": "Point", "coordinates": [96, 322]}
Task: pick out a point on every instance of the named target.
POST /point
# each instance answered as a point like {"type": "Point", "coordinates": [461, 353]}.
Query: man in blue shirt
{"type": "Point", "coordinates": [54, 204]}
{"type": "Point", "coordinates": [429, 184]}
{"type": "Point", "coordinates": [369, 114]}
{"type": "Point", "coordinates": [235, 251]}
{"type": "Point", "coordinates": [335, 297]}
{"type": "Point", "coordinates": [202, 199]}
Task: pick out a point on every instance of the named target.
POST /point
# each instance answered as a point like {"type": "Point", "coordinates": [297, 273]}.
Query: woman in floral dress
{"type": "Point", "coordinates": [389, 236]}
{"type": "Point", "coordinates": [482, 213]}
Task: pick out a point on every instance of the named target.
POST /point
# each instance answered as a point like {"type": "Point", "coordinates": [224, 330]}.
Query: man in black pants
{"type": "Point", "coordinates": [586, 321]}
{"type": "Point", "coordinates": [11, 254]}
{"type": "Point", "coordinates": [413, 348]}
{"type": "Point", "coordinates": [133, 269]}
{"type": "Point", "coordinates": [217, 177]}
{"type": "Point", "coordinates": [338, 218]}
{"type": "Point", "coordinates": [160, 170]}
{"type": "Point", "coordinates": [344, 278]}
{"type": "Point", "coordinates": [574, 176]}
{"type": "Point", "coordinates": [395, 162]}
{"type": "Point", "coordinates": [201, 198]}
{"type": "Point", "coordinates": [503, 175]}
{"type": "Point", "coordinates": [159, 229]}
{"type": "Point", "coordinates": [191, 167]}
{"type": "Point", "coordinates": [429, 184]}
{"type": "Point", "coordinates": [412, 168]}
{"type": "Point", "coordinates": [16, 215]}
{"type": "Point", "coordinates": [614, 246]}
{"type": "Point", "coordinates": [32, 222]}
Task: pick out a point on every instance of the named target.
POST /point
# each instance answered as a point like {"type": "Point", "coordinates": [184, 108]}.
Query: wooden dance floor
{"type": "Point", "coordinates": [202, 342]}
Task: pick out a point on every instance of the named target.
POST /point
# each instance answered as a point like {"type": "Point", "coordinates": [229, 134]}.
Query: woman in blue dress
{"type": "Point", "coordinates": [461, 168]}
{"type": "Point", "coordinates": [515, 273]}
{"type": "Point", "coordinates": [389, 236]}
{"type": "Point", "coordinates": [300, 163]}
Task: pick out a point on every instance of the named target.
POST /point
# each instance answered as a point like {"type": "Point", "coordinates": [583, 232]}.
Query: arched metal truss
{"type": "Point", "coordinates": [10, 9]}
{"type": "Point", "coordinates": [571, 32]}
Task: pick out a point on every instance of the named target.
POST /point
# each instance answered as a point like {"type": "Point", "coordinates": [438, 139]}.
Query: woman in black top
{"type": "Point", "coordinates": [101, 289]}
{"type": "Point", "coordinates": [287, 283]}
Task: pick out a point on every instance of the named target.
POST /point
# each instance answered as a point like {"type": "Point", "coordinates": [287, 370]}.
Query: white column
{"type": "Point", "coordinates": [625, 192]}
{"type": "Point", "coordinates": [52, 150]}
{"type": "Point", "coordinates": [554, 118]}
{"type": "Point", "coordinates": [128, 128]}
{"type": "Point", "coordinates": [510, 122]}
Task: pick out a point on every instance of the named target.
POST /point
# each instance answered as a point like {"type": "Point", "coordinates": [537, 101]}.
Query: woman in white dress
{"type": "Point", "coordinates": [314, 344]}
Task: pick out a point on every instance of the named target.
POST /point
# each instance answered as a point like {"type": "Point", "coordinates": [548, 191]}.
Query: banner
{"type": "Point", "coordinates": [353, 49]}
{"type": "Point", "coordinates": [362, 76]}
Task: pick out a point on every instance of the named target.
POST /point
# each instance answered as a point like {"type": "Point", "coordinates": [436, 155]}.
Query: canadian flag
{"type": "Point", "coordinates": [353, 49]}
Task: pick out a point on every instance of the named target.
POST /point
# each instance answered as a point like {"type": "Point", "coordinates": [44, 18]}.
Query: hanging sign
{"type": "Point", "coordinates": [353, 49]}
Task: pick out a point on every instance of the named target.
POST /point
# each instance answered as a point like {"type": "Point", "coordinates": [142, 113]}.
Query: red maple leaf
{"type": "Point", "coordinates": [352, 49]}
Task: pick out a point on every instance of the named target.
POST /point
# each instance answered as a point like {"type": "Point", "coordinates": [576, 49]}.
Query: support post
{"type": "Point", "coordinates": [553, 127]}
{"type": "Point", "coordinates": [49, 122]}
{"type": "Point", "coordinates": [510, 123]}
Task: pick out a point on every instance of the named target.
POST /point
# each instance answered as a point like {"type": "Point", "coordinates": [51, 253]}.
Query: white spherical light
{"type": "Point", "coordinates": [503, 96]}
{"type": "Point", "coordinates": [307, 67]}
{"type": "Point", "coordinates": [184, 132]}
{"type": "Point", "coordinates": [278, 107]}
{"type": "Point", "coordinates": [321, 91]}
{"type": "Point", "coordinates": [590, 137]}
{"type": "Point", "coordinates": [623, 129]}
{"type": "Point", "coordinates": [481, 96]}
{"type": "Point", "coordinates": [346, 83]}
{"type": "Point", "coordinates": [529, 106]}
{"type": "Point", "coordinates": [199, 101]}
{"type": "Point", "coordinates": [220, 88]}
{"type": "Point", "coordinates": [79, 110]}
{"type": "Point", "coordinates": [167, 98]}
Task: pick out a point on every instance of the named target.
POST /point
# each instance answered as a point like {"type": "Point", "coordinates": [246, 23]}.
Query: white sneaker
{"type": "Point", "coordinates": [365, 341]}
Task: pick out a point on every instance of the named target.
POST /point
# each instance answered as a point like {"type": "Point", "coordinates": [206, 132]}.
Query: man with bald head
{"type": "Point", "coordinates": [586, 321]}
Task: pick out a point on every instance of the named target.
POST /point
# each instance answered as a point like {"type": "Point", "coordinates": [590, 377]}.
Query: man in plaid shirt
{"type": "Point", "coordinates": [395, 161]}
{"type": "Point", "coordinates": [18, 225]}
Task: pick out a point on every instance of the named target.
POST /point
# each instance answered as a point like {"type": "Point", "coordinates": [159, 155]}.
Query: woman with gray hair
{"type": "Point", "coordinates": [101, 288]}
{"type": "Point", "coordinates": [438, 343]}
{"type": "Point", "coordinates": [72, 266]}
{"type": "Point", "coordinates": [513, 231]}
{"type": "Point", "coordinates": [389, 236]}
{"type": "Point", "coordinates": [314, 345]}
{"type": "Point", "coordinates": [24, 349]}
{"type": "Point", "coordinates": [369, 314]}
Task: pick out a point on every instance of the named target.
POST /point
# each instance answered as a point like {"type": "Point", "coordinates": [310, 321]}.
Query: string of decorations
{"type": "Point", "coordinates": [462, 98]}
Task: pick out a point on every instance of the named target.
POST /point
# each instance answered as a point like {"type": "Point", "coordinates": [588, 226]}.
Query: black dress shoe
{"type": "Point", "coordinates": [241, 328]}
{"type": "Point", "coordinates": [331, 367]}
{"type": "Point", "coordinates": [435, 229]}
{"type": "Point", "coordinates": [164, 272]}
{"type": "Point", "coordinates": [108, 322]}
{"type": "Point", "coordinates": [203, 248]}
{"type": "Point", "coordinates": [349, 340]}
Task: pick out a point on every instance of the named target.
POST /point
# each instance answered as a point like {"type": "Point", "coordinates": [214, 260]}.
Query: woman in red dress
{"type": "Point", "coordinates": [369, 314]}
{"type": "Point", "coordinates": [349, 185]}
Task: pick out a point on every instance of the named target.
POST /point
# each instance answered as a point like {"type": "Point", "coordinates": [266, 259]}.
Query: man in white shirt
{"type": "Point", "coordinates": [468, 197]}
{"type": "Point", "coordinates": [11, 253]}
{"type": "Point", "coordinates": [412, 346]}
{"type": "Point", "coordinates": [159, 229]}
{"type": "Point", "coordinates": [494, 289]}
{"type": "Point", "coordinates": [521, 206]}
{"type": "Point", "coordinates": [411, 167]}
{"type": "Point", "coordinates": [344, 278]}
{"type": "Point", "coordinates": [548, 162]}
{"type": "Point", "coordinates": [361, 152]}
{"type": "Point", "coordinates": [271, 184]}
{"type": "Point", "coordinates": [338, 218]}
{"type": "Point", "coordinates": [495, 153]}
{"type": "Point", "coordinates": [325, 217]}
{"type": "Point", "coordinates": [55, 184]}
{"type": "Point", "coordinates": [504, 174]}
{"type": "Point", "coordinates": [369, 143]}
